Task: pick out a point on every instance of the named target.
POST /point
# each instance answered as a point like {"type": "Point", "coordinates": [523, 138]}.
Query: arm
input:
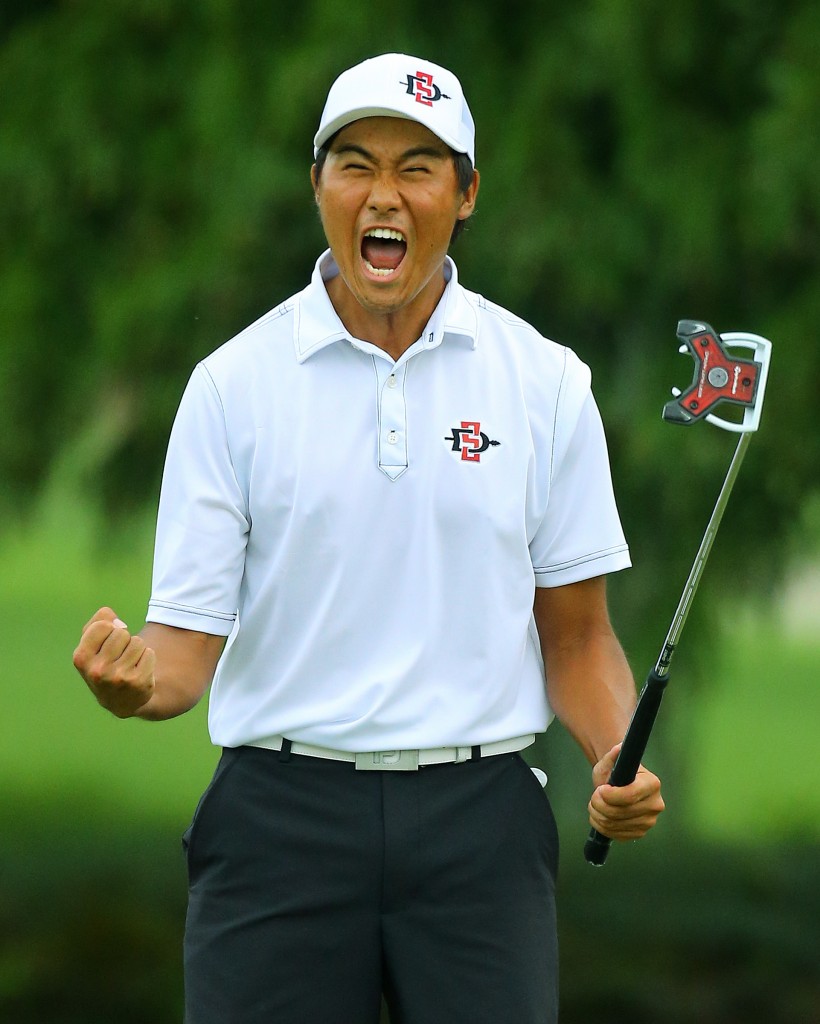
{"type": "Point", "coordinates": [591, 690]}
{"type": "Point", "coordinates": [157, 674]}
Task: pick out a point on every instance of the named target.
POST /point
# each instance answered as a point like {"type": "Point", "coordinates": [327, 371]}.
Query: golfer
{"type": "Point", "coordinates": [385, 524]}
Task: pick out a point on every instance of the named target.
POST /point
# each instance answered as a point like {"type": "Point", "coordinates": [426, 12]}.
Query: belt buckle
{"type": "Point", "coordinates": [387, 761]}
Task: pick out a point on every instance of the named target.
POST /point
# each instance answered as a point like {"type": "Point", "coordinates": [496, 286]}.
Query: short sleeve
{"type": "Point", "coordinates": [202, 523]}
{"type": "Point", "coordinates": [580, 535]}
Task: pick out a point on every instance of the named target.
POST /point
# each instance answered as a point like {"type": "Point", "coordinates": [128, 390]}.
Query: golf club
{"type": "Point", "coordinates": [719, 377]}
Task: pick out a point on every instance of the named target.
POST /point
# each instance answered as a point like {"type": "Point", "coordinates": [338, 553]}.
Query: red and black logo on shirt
{"type": "Point", "coordinates": [470, 440]}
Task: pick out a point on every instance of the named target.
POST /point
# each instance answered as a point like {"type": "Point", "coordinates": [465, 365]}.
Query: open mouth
{"type": "Point", "coordinates": [383, 250]}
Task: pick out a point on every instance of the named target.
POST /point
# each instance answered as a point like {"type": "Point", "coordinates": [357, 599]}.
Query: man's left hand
{"type": "Point", "coordinates": [624, 812]}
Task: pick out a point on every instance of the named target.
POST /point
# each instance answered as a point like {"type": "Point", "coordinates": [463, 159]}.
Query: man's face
{"type": "Point", "coordinates": [388, 198]}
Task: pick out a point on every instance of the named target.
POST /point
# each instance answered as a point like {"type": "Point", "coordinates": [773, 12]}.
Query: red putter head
{"type": "Point", "coordinates": [720, 376]}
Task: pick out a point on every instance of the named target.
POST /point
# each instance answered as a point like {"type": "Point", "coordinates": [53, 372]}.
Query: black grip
{"type": "Point", "coordinates": [628, 761]}
{"type": "Point", "coordinates": [596, 848]}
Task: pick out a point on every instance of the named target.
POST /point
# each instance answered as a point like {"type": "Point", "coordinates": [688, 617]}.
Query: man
{"type": "Point", "coordinates": [394, 498]}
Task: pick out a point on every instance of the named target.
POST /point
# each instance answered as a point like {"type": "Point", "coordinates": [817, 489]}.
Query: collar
{"type": "Point", "coordinates": [317, 324]}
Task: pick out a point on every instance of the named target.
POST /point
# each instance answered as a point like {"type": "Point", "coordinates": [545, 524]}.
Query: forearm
{"type": "Point", "coordinates": [591, 689]}
{"type": "Point", "coordinates": [184, 666]}
{"type": "Point", "coordinates": [589, 683]}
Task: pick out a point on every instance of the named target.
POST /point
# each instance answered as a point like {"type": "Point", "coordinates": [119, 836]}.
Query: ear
{"type": "Point", "coordinates": [314, 181]}
{"type": "Point", "coordinates": [468, 200]}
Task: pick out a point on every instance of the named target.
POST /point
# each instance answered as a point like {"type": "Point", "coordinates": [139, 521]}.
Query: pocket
{"type": "Point", "coordinates": [537, 793]}
{"type": "Point", "coordinates": [536, 776]}
{"type": "Point", "coordinates": [536, 827]}
{"type": "Point", "coordinates": [228, 759]}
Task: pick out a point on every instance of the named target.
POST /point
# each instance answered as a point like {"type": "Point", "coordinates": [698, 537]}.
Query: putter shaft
{"type": "Point", "coordinates": [596, 848]}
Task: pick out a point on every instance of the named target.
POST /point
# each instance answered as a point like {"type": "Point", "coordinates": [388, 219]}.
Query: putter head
{"type": "Point", "coordinates": [721, 376]}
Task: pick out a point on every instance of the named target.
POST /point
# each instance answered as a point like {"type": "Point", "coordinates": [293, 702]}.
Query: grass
{"type": "Point", "coordinates": [59, 745]}
{"type": "Point", "coordinates": [751, 738]}
{"type": "Point", "coordinates": [747, 736]}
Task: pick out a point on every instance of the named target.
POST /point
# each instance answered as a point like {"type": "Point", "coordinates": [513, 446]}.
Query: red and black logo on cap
{"type": "Point", "coordinates": [422, 86]}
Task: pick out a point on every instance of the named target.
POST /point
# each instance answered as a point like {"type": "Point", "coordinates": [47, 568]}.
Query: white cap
{"type": "Point", "coordinates": [395, 85]}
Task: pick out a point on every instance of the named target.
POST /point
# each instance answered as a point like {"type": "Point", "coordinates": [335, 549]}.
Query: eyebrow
{"type": "Point", "coordinates": [408, 154]}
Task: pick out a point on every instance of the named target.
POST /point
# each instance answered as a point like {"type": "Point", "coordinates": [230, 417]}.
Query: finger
{"type": "Point", "coordinates": [624, 826]}
{"type": "Point", "coordinates": [132, 655]}
{"type": "Point", "coordinates": [95, 634]}
{"type": "Point", "coordinates": [96, 631]}
{"type": "Point", "coordinates": [649, 805]}
{"type": "Point", "coordinates": [622, 833]}
{"type": "Point", "coordinates": [115, 644]}
{"type": "Point", "coordinates": [147, 661]}
{"type": "Point", "coordinates": [130, 668]}
{"type": "Point", "coordinates": [105, 614]}
{"type": "Point", "coordinates": [632, 829]}
{"type": "Point", "coordinates": [603, 769]}
{"type": "Point", "coordinates": [652, 804]}
{"type": "Point", "coordinates": [102, 654]}
{"type": "Point", "coordinates": [125, 685]}
{"type": "Point", "coordinates": [623, 823]}
{"type": "Point", "coordinates": [614, 797]}
{"type": "Point", "coordinates": [644, 786]}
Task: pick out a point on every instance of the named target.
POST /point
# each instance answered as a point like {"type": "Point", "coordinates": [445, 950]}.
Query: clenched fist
{"type": "Point", "coordinates": [118, 667]}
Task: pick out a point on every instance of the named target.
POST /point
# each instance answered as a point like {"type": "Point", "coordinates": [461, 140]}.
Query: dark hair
{"type": "Point", "coordinates": [461, 161]}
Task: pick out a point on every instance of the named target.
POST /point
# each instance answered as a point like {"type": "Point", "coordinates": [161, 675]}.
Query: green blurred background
{"type": "Point", "coordinates": [641, 163]}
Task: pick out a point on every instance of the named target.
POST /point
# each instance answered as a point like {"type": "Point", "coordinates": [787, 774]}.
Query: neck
{"type": "Point", "coordinates": [393, 330]}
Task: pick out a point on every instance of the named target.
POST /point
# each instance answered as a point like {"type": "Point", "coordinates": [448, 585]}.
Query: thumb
{"type": "Point", "coordinates": [106, 615]}
{"type": "Point", "coordinates": [603, 769]}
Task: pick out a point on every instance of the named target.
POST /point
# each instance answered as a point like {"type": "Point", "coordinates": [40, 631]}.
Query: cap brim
{"type": "Point", "coordinates": [330, 129]}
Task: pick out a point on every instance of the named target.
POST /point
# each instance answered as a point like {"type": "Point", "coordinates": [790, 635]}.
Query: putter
{"type": "Point", "coordinates": [720, 376]}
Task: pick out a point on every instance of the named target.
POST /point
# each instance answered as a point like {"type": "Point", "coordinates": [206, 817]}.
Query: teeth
{"type": "Point", "coordinates": [379, 271]}
{"type": "Point", "coordinates": [397, 236]}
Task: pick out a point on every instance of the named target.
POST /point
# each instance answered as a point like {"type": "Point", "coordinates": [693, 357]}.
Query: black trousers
{"type": "Point", "coordinates": [315, 887]}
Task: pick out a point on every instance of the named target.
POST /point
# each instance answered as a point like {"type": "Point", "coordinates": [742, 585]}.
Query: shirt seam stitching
{"type": "Point", "coordinates": [581, 559]}
{"type": "Point", "coordinates": [211, 613]}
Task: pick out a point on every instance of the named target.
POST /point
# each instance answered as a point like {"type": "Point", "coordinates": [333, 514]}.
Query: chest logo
{"type": "Point", "coordinates": [470, 440]}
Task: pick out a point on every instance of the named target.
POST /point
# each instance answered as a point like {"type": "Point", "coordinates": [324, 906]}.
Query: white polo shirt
{"type": "Point", "coordinates": [369, 533]}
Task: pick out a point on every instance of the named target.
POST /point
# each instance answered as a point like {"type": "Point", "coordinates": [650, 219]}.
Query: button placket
{"type": "Point", "coordinates": [392, 421]}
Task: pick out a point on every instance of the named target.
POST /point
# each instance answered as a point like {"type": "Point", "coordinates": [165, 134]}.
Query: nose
{"type": "Point", "coordinates": [384, 194]}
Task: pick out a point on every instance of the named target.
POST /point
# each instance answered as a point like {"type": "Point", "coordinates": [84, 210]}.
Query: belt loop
{"type": "Point", "coordinates": [284, 751]}
{"type": "Point", "coordinates": [476, 753]}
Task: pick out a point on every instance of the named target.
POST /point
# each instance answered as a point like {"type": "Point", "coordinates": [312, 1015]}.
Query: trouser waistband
{"type": "Point", "coordinates": [398, 760]}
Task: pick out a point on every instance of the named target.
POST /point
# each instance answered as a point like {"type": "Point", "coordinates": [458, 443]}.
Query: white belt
{"type": "Point", "coordinates": [401, 760]}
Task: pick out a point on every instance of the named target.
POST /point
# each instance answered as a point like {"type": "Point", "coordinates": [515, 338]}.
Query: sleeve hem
{"type": "Point", "coordinates": [198, 619]}
{"type": "Point", "coordinates": [598, 563]}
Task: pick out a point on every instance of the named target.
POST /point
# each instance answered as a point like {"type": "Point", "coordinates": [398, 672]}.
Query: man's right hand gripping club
{"type": "Point", "coordinates": [158, 673]}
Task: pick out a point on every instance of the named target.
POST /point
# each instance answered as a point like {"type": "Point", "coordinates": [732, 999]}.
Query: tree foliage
{"type": "Point", "coordinates": [640, 163]}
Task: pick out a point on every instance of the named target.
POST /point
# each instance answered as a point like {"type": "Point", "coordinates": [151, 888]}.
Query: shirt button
{"type": "Point", "coordinates": [391, 380]}
{"type": "Point", "coordinates": [392, 437]}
